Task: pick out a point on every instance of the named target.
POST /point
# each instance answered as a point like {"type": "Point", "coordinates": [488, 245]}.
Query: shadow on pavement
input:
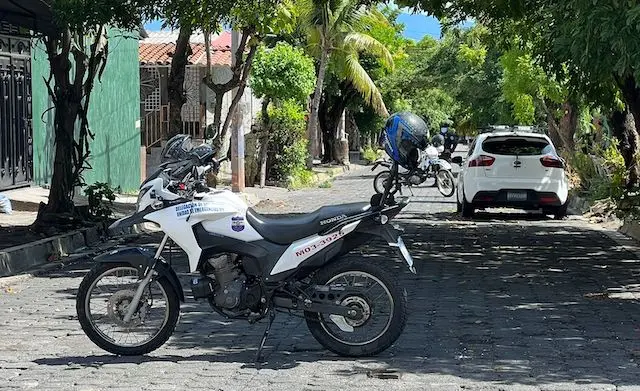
{"type": "Point", "coordinates": [501, 303]}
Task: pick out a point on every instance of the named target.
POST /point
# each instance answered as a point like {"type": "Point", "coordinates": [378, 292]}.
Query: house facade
{"type": "Point", "coordinates": [155, 53]}
{"type": "Point", "coordinates": [114, 117]}
{"type": "Point", "coordinates": [26, 113]}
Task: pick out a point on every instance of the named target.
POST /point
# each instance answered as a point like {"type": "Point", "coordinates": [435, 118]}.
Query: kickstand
{"type": "Point", "coordinates": [272, 316]}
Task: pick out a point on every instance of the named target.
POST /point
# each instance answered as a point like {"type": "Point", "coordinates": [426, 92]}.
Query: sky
{"type": "Point", "coordinates": [416, 26]}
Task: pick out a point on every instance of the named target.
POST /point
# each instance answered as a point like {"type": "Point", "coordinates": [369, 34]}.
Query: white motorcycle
{"type": "Point", "coordinates": [429, 166]}
{"type": "Point", "coordinates": [248, 265]}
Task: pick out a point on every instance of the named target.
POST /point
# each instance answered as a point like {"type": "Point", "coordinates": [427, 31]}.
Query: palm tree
{"type": "Point", "coordinates": [338, 35]}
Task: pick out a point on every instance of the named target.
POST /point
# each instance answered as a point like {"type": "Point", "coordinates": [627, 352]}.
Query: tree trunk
{"type": "Point", "coordinates": [631, 94]}
{"type": "Point", "coordinates": [67, 104]}
{"type": "Point", "coordinates": [264, 142]}
{"type": "Point", "coordinates": [312, 124]}
{"type": "Point", "coordinates": [329, 115]}
{"type": "Point", "coordinates": [217, 119]}
{"type": "Point", "coordinates": [567, 125]}
{"type": "Point", "coordinates": [623, 127]}
{"type": "Point", "coordinates": [552, 126]}
{"type": "Point", "coordinates": [62, 186]}
{"type": "Point", "coordinates": [240, 73]}
{"type": "Point", "coordinates": [353, 133]}
{"type": "Point", "coordinates": [175, 82]}
{"type": "Point", "coordinates": [341, 146]}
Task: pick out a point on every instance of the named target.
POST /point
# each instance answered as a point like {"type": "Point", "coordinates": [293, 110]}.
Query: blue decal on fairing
{"type": "Point", "coordinates": [237, 223]}
{"type": "Point", "coordinates": [193, 208]}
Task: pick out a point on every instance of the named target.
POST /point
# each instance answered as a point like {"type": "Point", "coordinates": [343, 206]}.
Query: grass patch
{"type": "Point", "coordinates": [326, 184]}
{"type": "Point", "coordinates": [300, 179]}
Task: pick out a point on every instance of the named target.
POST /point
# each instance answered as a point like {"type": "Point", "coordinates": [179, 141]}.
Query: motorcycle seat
{"type": "Point", "coordinates": [286, 229]}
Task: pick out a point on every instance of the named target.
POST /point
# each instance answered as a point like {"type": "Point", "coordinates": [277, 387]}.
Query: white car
{"type": "Point", "coordinates": [512, 169]}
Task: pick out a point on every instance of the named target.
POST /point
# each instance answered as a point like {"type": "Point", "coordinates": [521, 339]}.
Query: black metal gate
{"type": "Point", "coordinates": [16, 133]}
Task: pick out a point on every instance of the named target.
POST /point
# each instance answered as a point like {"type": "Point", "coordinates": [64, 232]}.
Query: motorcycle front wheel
{"type": "Point", "coordinates": [380, 181]}
{"type": "Point", "coordinates": [373, 291]}
{"type": "Point", "coordinates": [445, 182]}
{"type": "Point", "coordinates": [102, 303]}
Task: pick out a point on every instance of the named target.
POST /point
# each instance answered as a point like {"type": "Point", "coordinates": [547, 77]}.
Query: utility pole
{"type": "Point", "coordinates": [237, 133]}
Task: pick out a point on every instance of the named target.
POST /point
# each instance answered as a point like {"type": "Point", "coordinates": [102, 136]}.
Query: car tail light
{"type": "Point", "coordinates": [551, 161]}
{"type": "Point", "coordinates": [548, 199]}
{"type": "Point", "coordinates": [482, 161]}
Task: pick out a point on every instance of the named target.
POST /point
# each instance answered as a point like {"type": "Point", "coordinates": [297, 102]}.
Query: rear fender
{"type": "Point", "coordinates": [392, 236]}
{"type": "Point", "coordinates": [142, 259]}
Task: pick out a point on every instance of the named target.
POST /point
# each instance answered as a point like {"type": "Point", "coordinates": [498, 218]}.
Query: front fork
{"type": "Point", "coordinates": [150, 273]}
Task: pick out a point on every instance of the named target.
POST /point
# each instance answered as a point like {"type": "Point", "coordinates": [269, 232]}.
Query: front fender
{"type": "Point", "coordinates": [142, 259]}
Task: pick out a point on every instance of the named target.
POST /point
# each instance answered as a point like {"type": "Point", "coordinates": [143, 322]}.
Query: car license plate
{"type": "Point", "coordinates": [516, 196]}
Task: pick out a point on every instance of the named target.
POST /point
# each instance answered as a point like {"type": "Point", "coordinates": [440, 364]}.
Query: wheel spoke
{"type": "Point", "coordinates": [108, 300]}
{"type": "Point", "coordinates": [367, 294]}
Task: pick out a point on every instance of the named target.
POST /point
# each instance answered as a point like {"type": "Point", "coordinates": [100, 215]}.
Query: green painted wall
{"type": "Point", "coordinates": [114, 117]}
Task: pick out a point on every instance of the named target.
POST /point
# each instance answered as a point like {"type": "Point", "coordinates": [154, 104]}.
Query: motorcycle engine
{"type": "Point", "coordinates": [227, 286]}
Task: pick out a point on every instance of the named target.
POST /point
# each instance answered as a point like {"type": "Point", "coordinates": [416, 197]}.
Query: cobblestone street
{"type": "Point", "coordinates": [504, 302]}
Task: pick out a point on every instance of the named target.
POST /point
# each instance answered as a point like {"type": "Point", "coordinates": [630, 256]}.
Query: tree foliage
{"type": "Point", "coordinates": [453, 80]}
{"type": "Point", "coordinates": [283, 73]}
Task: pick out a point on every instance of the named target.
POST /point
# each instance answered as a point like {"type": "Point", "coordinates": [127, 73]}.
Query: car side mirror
{"type": "Point", "coordinates": [457, 160]}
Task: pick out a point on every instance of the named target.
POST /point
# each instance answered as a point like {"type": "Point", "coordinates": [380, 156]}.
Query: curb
{"type": "Point", "coordinates": [627, 236]}
{"type": "Point", "coordinates": [631, 229]}
{"type": "Point", "coordinates": [17, 259]}
{"type": "Point", "coordinates": [72, 259]}
{"type": "Point", "coordinates": [578, 205]}
{"type": "Point", "coordinates": [319, 177]}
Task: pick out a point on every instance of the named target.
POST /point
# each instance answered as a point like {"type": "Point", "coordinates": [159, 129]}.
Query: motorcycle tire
{"type": "Point", "coordinates": [319, 326]}
{"type": "Point", "coordinates": [379, 181]}
{"type": "Point", "coordinates": [445, 177]}
{"type": "Point", "coordinates": [109, 344]}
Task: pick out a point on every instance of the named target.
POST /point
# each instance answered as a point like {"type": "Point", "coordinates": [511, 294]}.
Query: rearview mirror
{"type": "Point", "coordinates": [457, 160]}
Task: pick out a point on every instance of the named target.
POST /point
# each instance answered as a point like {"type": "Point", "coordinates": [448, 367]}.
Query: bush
{"type": "Point", "coordinates": [287, 139]}
{"type": "Point", "coordinates": [300, 178]}
{"type": "Point", "coordinates": [370, 155]}
{"type": "Point", "coordinates": [100, 196]}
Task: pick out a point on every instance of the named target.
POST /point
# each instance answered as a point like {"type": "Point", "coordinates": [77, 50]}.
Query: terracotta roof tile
{"type": "Point", "coordinates": [222, 42]}
{"type": "Point", "coordinates": [160, 53]}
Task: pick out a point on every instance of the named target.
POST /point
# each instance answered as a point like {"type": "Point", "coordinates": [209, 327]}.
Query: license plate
{"type": "Point", "coordinates": [516, 196]}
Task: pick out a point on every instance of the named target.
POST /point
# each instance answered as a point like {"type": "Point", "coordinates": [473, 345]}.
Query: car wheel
{"type": "Point", "coordinates": [561, 211]}
{"type": "Point", "coordinates": [467, 209]}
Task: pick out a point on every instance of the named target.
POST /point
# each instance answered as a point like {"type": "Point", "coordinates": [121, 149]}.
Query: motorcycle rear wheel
{"type": "Point", "coordinates": [354, 270]}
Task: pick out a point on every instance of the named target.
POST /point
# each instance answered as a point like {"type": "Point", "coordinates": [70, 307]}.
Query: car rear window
{"type": "Point", "coordinates": [516, 146]}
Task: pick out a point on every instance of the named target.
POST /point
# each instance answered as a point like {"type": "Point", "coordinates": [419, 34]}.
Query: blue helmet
{"type": "Point", "coordinates": [403, 136]}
